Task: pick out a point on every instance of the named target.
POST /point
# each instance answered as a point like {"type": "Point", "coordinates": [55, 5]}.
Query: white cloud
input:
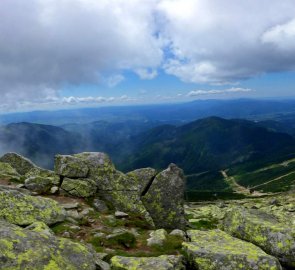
{"type": "Point", "coordinates": [218, 91]}
{"type": "Point", "coordinates": [48, 43]}
{"type": "Point", "coordinates": [282, 36]}
{"type": "Point", "coordinates": [146, 74]}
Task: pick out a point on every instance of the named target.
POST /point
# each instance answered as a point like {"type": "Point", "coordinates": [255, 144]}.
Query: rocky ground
{"type": "Point", "coordinates": [88, 215]}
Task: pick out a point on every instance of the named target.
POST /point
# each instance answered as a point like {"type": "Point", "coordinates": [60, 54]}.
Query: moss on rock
{"type": "Point", "coordinates": [215, 250]}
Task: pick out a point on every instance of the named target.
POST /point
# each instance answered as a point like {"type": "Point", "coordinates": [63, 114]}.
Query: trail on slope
{"type": "Point", "coordinates": [230, 180]}
{"type": "Point", "coordinates": [273, 180]}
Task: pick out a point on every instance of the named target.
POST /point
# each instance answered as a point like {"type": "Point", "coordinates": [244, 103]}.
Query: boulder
{"type": "Point", "coordinates": [143, 178]}
{"type": "Point", "coordinates": [164, 200]}
{"type": "Point", "coordinates": [8, 173]}
{"type": "Point", "coordinates": [157, 238]}
{"type": "Point", "coordinates": [164, 262]}
{"type": "Point", "coordinates": [25, 249]}
{"type": "Point", "coordinates": [21, 209]}
{"type": "Point", "coordinates": [79, 187]}
{"type": "Point", "coordinates": [122, 237]}
{"type": "Point", "coordinates": [216, 250]}
{"type": "Point", "coordinates": [41, 185]}
{"type": "Point", "coordinates": [70, 166]}
{"type": "Point", "coordinates": [21, 164]}
{"type": "Point", "coordinates": [100, 206]}
{"type": "Point", "coordinates": [263, 230]}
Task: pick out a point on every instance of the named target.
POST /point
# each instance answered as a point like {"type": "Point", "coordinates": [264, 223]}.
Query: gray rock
{"type": "Point", "coordinates": [41, 185]}
{"type": "Point", "coordinates": [263, 230]}
{"type": "Point", "coordinates": [122, 237]}
{"type": "Point", "coordinates": [70, 166]}
{"type": "Point", "coordinates": [39, 226]}
{"type": "Point", "coordinates": [7, 172]}
{"type": "Point", "coordinates": [142, 177]}
{"type": "Point", "coordinates": [73, 214]}
{"type": "Point", "coordinates": [119, 214]}
{"type": "Point", "coordinates": [157, 238]}
{"type": "Point", "coordinates": [54, 190]}
{"type": "Point", "coordinates": [100, 206]}
{"type": "Point", "coordinates": [165, 199]}
{"type": "Point", "coordinates": [26, 249]}
{"type": "Point", "coordinates": [216, 250]}
{"type": "Point", "coordinates": [164, 262]}
{"type": "Point", "coordinates": [101, 265]}
{"type": "Point", "coordinates": [178, 233]}
{"type": "Point", "coordinates": [21, 164]}
{"type": "Point", "coordinates": [73, 205]}
{"type": "Point", "coordinates": [21, 209]}
{"type": "Point", "coordinates": [79, 187]}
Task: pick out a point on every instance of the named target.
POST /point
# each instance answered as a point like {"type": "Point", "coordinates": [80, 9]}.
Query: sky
{"type": "Point", "coordinates": [79, 53]}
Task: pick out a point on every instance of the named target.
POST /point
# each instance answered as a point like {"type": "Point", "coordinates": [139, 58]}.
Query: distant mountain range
{"type": "Point", "coordinates": [178, 113]}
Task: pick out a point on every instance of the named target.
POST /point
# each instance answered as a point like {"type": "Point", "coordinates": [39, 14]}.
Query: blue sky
{"type": "Point", "coordinates": [79, 53]}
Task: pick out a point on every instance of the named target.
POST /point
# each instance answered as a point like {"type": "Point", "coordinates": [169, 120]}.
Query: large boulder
{"type": "Point", "coordinates": [70, 166]}
{"type": "Point", "coordinates": [79, 187]}
{"type": "Point", "coordinates": [164, 199]}
{"type": "Point", "coordinates": [216, 250]}
{"type": "Point", "coordinates": [21, 209]}
{"type": "Point", "coordinates": [263, 230]}
{"type": "Point", "coordinates": [25, 249]}
{"type": "Point", "coordinates": [164, 262]}
{"type": "Point", "coordinates": [21, 164]}
{"type": "Point", "coordinates": [8, 173]}
{"type": "Point", "coordinates": [143, 178]}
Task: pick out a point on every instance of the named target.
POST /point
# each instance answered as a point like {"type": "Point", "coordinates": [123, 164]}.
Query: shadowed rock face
{"type": "Point", "coordinates": [164, 200]}
{"type": "Point", "coordinates": [25, 249]}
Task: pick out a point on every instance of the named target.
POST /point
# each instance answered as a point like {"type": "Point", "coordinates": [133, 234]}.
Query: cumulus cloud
{"type": "Point", "coordinates": [48, 43]}
{"type": "Point", "coordinates": [218, 91]}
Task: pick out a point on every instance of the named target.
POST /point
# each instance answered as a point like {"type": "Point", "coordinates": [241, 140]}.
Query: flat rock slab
{"type": "Point", "coordinates": [70, 166]}
{"type": "Point", "coordinates": [216, 250]}
{"type": "Point", "coordinates": [164, 262]}
{"type": "Point", "coordinates": [79, 187]}
{"type": "Point", "coordinates": [21, 209]}
{"type": "Point", "coordinates": [263, 230]}
{"type": "Point", "coordinates": [25, 249]}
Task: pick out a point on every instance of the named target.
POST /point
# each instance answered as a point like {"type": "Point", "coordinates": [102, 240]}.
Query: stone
{"type": "Point", "coordinates": [100, 206]}
{"type": "Point", "coordinates": [263, 230]}
{"type": "Point", "coordinates": [73, 214]}
{"type": "Point", "coordinates": [164, 262]}
{"type": "Point", "coordinates": [216, 250]}
{"type": "Point", "coordinates": [7, 172]}
{"type": "Point", "coordinates": [178, 233]}
{"type": "Point", "coordinates": [21, 209]}
{"type": "Point", "coordinates": [165, 199]}
{"type": "Point", "coordinates": [39, 226]}
{"type": "Point", "coordinates": [142, 177]}
{"type": "Point", "coordinates": [101, 265]}
{"type": "Point", "coordinates": [25, 249]}
{"type": "Point", "coordinates": [54, 190]}
{"type": "Point", "coordinates": [70, 166]}
{"type": "Point", "coordinates": [122, 237]}
{"type": "Point", "coordinates": [79, 187]}
{"type": "Point", "coordinates": [157, 238]}
{"type": "Point", "coordinates": [21, 164]}
{"type": "Point", "coordinates": [41, 185]}
{"type": "Point", "coordinates": [73, 205]}
{"type": "Point", "coordinates": [119, 214]}
{"type": "Point", "coordinates": [129, 202]}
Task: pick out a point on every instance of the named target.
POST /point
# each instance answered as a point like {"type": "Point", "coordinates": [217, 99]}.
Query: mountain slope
{"type": "Point", "coordinates": [210, 144]}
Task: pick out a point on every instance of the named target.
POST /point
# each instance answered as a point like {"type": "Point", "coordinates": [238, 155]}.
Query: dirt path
{"type": "Point", "coordinates": [234, 185]}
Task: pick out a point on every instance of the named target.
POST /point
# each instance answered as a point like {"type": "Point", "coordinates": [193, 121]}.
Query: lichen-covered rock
{"type": "Point", "coordinates": [21, 209]}
{"type": "Point", "coordinates": [128, 201]}
{"type": "Point", "coordinates": [41, 227]}
{"type": "Point", "coordinates": [164, 262]}
{"type": "Point", "coordinates": [165, 199]}
{"type": "Point", "coordinates": [79, 187]}
{"type": "Point", "coordinates": [216, 250]}
{"type": "Point", "coordinates": [21, 164]}
{"type": "Point", "coordinates": [8, 173]}
{"type": "Point", "coordinates": [157, 238]}
{"type": "Point", "coordinates": [122, 237]}
{"type": "Point", "coordinates": [264, 231]}
{"type": "Point", "coordinates": [22, 249]}
{"type": "Point", "coordinates": [100, 206]}
{"type": "Point", "coordinates": [142, 177]}
{"type": "Point", "coordinates": [41, 185]}
{"type": "Point", "coordinates": [70, 166]}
